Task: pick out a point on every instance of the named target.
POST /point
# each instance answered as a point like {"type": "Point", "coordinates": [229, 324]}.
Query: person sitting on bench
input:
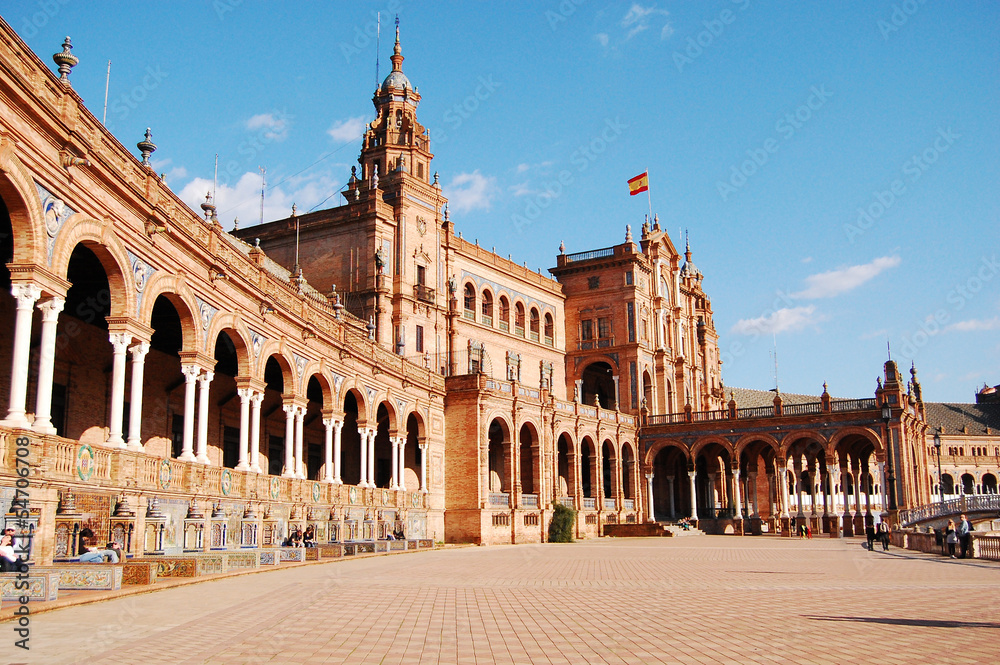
{"type": "Point", "coordinates": [92, 554]}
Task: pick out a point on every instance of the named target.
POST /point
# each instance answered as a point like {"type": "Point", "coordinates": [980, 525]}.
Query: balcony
{"type": "Point", "coordinates": [499, 500]}
{"type": "Point", "coordinates": [568, 501]}
{"type": "Point", "coordinates": [529, 500]}
{"type": "Point", "coordinates": [589, 503]}
{"type": "Point", "coordinates": [424, 294]}
{"type": "Point", "coordinates": [609, 503]}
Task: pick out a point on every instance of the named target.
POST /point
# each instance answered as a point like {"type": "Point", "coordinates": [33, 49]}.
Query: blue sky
{"type": "Point", "coordinates": [835, 163]}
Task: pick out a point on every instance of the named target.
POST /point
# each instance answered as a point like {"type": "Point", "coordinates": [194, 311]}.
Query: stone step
{"type": "Point", "coordinates": [681, 531]}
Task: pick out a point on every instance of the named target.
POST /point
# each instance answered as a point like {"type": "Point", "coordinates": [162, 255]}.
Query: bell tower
{"type": "Point", "coordinates": [394, 141]}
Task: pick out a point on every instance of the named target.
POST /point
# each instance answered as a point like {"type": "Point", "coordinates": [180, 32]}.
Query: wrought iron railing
{"type": "Point", "coordinates": [592, 254]}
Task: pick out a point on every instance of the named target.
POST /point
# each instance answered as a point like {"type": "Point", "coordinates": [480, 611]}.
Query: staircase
{"type": "Point", "coordinates": [649, 529]}
{"type": "Point", "coordinates": [681, 531]}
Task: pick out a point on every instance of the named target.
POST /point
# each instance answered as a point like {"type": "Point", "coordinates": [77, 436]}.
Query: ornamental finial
{"type": "Point", "coordinates": [66, 61]}
{"type": "Point", "coordinates": [146, 147]}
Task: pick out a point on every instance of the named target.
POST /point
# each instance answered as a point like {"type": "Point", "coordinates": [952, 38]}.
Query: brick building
{"type": "Point", "coordinates": [364, 367]}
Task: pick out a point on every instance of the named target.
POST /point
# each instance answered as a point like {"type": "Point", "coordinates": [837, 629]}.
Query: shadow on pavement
{"type": "Point", "coordinates": [922, 623]}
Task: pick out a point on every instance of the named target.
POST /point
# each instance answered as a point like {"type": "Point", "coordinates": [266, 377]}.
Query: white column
{"type": "Point", "coordinates": [244, 394]}
{"type": "Point", "coordinates": [363, 434]}
{"type": "Point", "coordinates": [868, 497]}
{"type": "Point", "coordinates": [694, 495]}
{"type": "Point", "coordinates": [402, 464]}
{"type": "Point", "coordinates": [338, 427]}
{"type": "Point", "coordinates": [289, 468]}
{"type": "Point", "coordinates": [43, 403]}
{"type": "Point", "coordinates": [255, 400]}
{"type": "Point", "coordinates": [26, 295]}
{"type": "Point", "coordinates": [832, 475]}
{"type": "Point", "coordinates": [119, 341]}
{"type": "Point", "coordinates": [371, 457]}
{"type": "Point", "coordinates": [190, 375]}
{"type": "Point", "coordinates": [138, 351]}
{"type": "Point", "coordinates": [781, 473]}
{"type": "Point", "coordinates": [328, 450]}
{"type": "Point", "coordinates": [797, 484]}
{"type": "Point", "coordinates": [650, 511]}
{"type": "Point", "coordinates": [394, 481]}
{"type": "Point", "coordinates": [423, 467]}
{"type": "Point", "coordinates": [617, 402]}
{"type": "Point", "coordinates": [579, 391]}
{"type": "Point", "coordinates": [204, 383]}
{"type": "Point", "coordinates": [813, 473]}
{"type": "Point", "coordinates": [752, 494]}
{"type": "Point", "coordinates": [736, 494]}
{"type": "Point", "coordinates": [300, 414]}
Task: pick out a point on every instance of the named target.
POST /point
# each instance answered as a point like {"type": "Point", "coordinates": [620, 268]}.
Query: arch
{"type": "Point", "coordinates": [968, 484]}
{"type": "Point", "coordinates": [487, 306]}
{"type": "Point", "coordinates": [598, 384]}
{"type": "Point", "coordinates": [503, 305]}
{"type": "Point", "coordinates": [519, 317]}
{"type": "Point", "coordinates": [109, 251]}
{"type": "Point", "coordinates": [565, 472]}
{"type": "Point", "coordinates": [287, 376]}
{"type": "Point", "coordinates": [610, 468]}
{"type": "Point", "coordinates": [669, 464]}
{"type": "Point", "coordinates": [231, 325]}
{"type": "Point", "coordinates": [469, 300]}
{"type": "Point", "coordinates": [745, 442]}
{"type": "Point", "coordinates": [358, 393]}
{"type": "Point", "coordinates": [497, 451]}
{"type": "Point", "coordinates": [948, 483]}
{"type": "Point", "coordinates": [533, 323]}
{"type": "Point", "coordinates": [175, 290]}
{"type": "Point", "coordinates": [527, 458]}
{"type": "Point", "coordinates": [26, 217]}
{"type": "Point", "coordinates": [789, 440]}
{"type": "Point", "coordinates": [702, 443]}
{"type": "Point", "coordinates": [588, 468]}
{"type": "Point", "coordinates": [989, 483]}
{"type": "Point", "coordinates": [391, 414]}
{"type": "Point", "coordinates": [314, 371]}
{"type": "Point", "coordinates": [653, 449]}
{"type": "Point", "coordinates": [628, 461]}
{"type": "Point", "coordinates": [549, 329]}
{"type": "Point", "coordinates": [863, 432]}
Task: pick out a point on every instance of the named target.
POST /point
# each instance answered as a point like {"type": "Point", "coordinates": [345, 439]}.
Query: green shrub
{"type": "Point", "coordinates": [562, 525]}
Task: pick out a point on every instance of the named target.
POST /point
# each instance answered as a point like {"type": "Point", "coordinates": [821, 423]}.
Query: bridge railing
{"type": "Point", "coordinates": [970, 503]}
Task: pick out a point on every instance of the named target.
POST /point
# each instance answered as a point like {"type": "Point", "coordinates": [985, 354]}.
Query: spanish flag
{"type": "Point", "coordinates": [639, 184]}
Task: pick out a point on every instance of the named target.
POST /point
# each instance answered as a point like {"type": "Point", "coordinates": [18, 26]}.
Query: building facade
{"type": "Point", "coordinates": [365, 367]}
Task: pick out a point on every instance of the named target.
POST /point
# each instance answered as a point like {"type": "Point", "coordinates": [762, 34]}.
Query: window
{"type": "Point", "coordinates": [519, 319]}
{"type": "Point", "coordinates": [420, 339]}
{"type": "Point", "coordinates": [504, 313]}
{"type": "Point", "coordinates": [422, 275]}
{"type": "Point", "coordinates": [586, 329]}
{"type": "Point", "coordinates": [470, 302]}
{"type": "Point", "coordinates": [534, 324]}
{"type": "Point", "coordinates": [487, 308]}
{"type": "Point", "coordinates": [420, 171]}
{"type": "Point", "coordinates": [630, 307]}
{"type": "Point", "coordinates": [549, 329]}
{"type": "Point", "coordinates": [603, 327]}
{"type": "Point", "coordinates": [629, 278]}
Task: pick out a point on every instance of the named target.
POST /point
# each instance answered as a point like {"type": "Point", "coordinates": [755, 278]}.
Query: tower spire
{"type": "Point", "coordinates": [397, 51]}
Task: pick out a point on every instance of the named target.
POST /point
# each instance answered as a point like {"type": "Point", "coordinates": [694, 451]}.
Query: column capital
{"type": "Point", "coordinates": [190, 372]}
{"type": "Point", "coordinates": [139, 350]}
{"type": "Point", "coordinates": [256, 398]}
{"type": "Point", "coordinates": [120, 341]}
{"type": "Point", "coordinates": [692, 474]}
{"type": "Point", "coordinates": [206, 378]}
{"type": "Point", "coordinates": [51, 307]}
{"type": "Point", "coordinates": [26, 294]}
{"type": "Point", "coordinates": [245, 394]}
{"type": "Point", "coordinates": [649, 476]}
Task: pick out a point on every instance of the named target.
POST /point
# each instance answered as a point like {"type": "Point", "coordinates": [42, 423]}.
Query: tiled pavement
{"type": "Point", "coordinates": [694, 600]}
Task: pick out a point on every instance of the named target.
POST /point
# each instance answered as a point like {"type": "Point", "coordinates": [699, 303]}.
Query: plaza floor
{"type": "Point", "coordinates": [711, 599]}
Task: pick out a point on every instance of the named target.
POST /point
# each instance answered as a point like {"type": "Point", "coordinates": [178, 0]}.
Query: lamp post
{"type": "Point", "coordinates": [889, 475]}
{"type": "Point", "coordinates": [937, 446]}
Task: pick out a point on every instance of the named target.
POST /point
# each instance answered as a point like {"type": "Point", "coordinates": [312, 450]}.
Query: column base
{"type": "Point", "coordinates": [16, 420]}
{"type": "Point", "coordinates": [43, 427]}
{"type": "Point", "coordinates": [203, 459]}
{"type": "Point", "coordinates": [115, 442]}
{"type": "Point", "coordinates": [256, 469]}
{"type": "Point", "coordinates": [242, 466]}
{"type": "Point", "coordinates": [288, 474]}
{"type": "Point", "coordinates": [401, 488]}
{"type": "Point", "coordinates": [135, 446]}
{"type": "Point", "coordinates": [394, 486]}
{"type": "Point", "coordinates": [338, 481]}
{"type": "Point", "coordinates": [328, 480]}
{"type": "Point", "coordinates": [186, 457]}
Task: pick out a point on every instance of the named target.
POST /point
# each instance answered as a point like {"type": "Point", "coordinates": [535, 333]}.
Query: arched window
{"type": "Point", "coordinates": [550, 329]}
{"type": "Point", "coordinates": [504, 313]}
{"type": "Point", "coordinates": [470, 302]}
{"type": "Point", "coordinates": [534, 324]}
{"type": "Point", "coordinates": [519, 319]}
{"type": "Point", "coordinates": [487, 308]}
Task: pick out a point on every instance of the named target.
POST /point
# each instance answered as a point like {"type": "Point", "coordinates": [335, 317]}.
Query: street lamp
{"type": "Point", "coordinates": [937, 446]}
{"type": "Point", "coordinates": [890, 476]}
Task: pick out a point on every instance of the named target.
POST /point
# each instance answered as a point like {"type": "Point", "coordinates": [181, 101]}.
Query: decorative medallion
{"type": "Point", "coordinates": [316, 492]}
{"type": "Point", "coordinates": [352, 495]}
{"type": "Point", "coordinates": [415, 500]}
{"type": "Point", "coordinates": [55, 213]}
{"type": "Point", "coordinates": [274, 488]}
{"type": "Point", "coordinates": [338, 380]}
{"type": "Point", "coordinates": [206, 312]}
{"type": "Point", "coordinates": [226, 482]}
{"type": "Point", "coordinates": [300, 364]}
{"type": "Point", "coordinates": [166, 473]}
{"type": "Point", "coordinates": [257, 342]}
{"type": "Point", "coordinates": [85, 462]}
{"type": "Point", "coordinates": [421, 225]}
{"type": "Point", "coordinates": [141, 272]}
{"type": "Point", "coordinates": [385, 497]}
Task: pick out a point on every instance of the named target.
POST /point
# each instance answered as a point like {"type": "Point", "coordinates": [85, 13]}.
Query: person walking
{"type": "Point", "coordinates": [965, 530]}
{"type": "Point", "coordinates": [884, 531]}
{"type": "Point", "coordinates": [870, 534]}
{"type": "Point", "coordinates": [951, 538]}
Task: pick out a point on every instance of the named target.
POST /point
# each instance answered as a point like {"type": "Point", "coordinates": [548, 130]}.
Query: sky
{"type": "Point", "coordinates": [834, 164]}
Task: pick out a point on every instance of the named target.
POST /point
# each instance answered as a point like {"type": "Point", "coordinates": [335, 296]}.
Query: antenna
{"type": "Point", "coordinates": [215, 179]}
{"type": "Point", "coordinates": [378, 44]}
{"type": "Point", "coordinates": [263, 173]}
{"type": "Point", "coordinates": [887, 348]}
{"type": "Point", "coordinates": [774, 338]}
{"type": "Point", "coordinates": [107, 83]}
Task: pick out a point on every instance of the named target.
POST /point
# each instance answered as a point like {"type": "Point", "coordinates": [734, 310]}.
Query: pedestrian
{"type": "Point", "coordinates": [965, 530]}
{"type": "Point", "coordinates": [951, 538]}
{"type": "Point", "coordinates": [870, 534]}
{"type": "Point", "coordinates": [884, 530]}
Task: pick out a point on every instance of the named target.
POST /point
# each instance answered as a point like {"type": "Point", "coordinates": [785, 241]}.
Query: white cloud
{"type": "Point", "coordinates": [243, 198]}
{"type": "Point", "coordinates": [470, 191]}
{"type": "Point", "coordinates": [807, 259]}
{"type": "Point", "coordinates": [975, 325]}
{"type": "Point", "coordinates": [638, 19]}
{"type": "Point", "coordinates": [274, 126]}
{"type": "Point", "coordinates": [786, 319]}
{"type": "Point", "coordinates": [602, 38]}
{"type": "Point", "coordinates": [350, 129]}
{"type": "Point", "coordinates": [522, 189]}
{"type": "Point", "coordinates": [834, 282]}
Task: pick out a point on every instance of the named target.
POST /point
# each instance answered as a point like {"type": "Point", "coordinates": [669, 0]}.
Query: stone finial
{"type": "Point", "coordinates": [656, 222]}
{"type": "Point", "coordinates": [354, 175]}
{"type": "Point", "coordinates": [371, 328]}
{"type": "Point", "coordinates": [67, 504]}
{"type": "Point", "coordinates": [248, 511]}
{"type": "Point", "coordinates": [66, 61]}
{"type": "Point", "coordinates": [437, 182]}
{"type": "Point", "coordinates": [628, 233]}
{"type": "Point", "coordinates": [447, 215]}
{"type": "Point", "coordinates": [236, 224]}
{"type": "Point", "coordinates": [295, 210]}
{"type": "Point", "coordinates": [153, 508]}
{"type": "Point", "coordinates": [562, 247]}
{"type": "Point", "coordinates": [146, 147]}
{"type": "Point", "coordinates": [208, 206]}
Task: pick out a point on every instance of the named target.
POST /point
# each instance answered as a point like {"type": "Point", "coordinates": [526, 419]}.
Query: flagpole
{"type": "Point", "coordinates": [649, 198]}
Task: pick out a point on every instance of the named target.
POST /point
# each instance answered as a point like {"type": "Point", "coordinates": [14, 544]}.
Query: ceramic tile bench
{"type": "Point", "coordinates": [39, 585]}
{"type": "Point", "coordinates": [86, 576]}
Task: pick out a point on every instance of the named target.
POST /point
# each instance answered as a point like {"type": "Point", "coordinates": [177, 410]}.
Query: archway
{"type": "Point", "coordinates": [350, 451]}
{"type": "Point", "coordinates": [528, 465]}
{"type": "Point", "coordinates": [609, 474]}
{"type": "Point", "coordinates": [989, 483]}
{"type": "Point", "coordinates": [385, 417]}
{"type": "Point", "coordinates": [671, 484]}
{"type": "Point", "coordinates": [412, 455]}
{"type": "Point", "coordinates": [628, 472]}
{"type": "Point", "coordinates": [598, 385]}
{"type": "Point", "coordinates": [588, 472]}
{"type": "Point", "coordinates": [498, 450]}
{"type": "Point", "coordinates": [713, 465]}
{"type": "Point", "coordinates": [968, 484]}
{"type": "Point", "coordinates": [279, 385]}
{"type": "Point", "coordinates": [565, 469]}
